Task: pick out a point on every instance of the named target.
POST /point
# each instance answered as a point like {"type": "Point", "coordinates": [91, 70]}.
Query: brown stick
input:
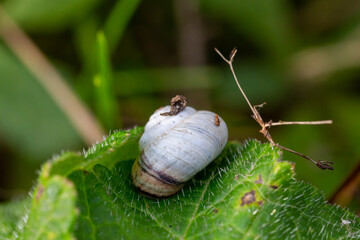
{"type": "Point", "coordinates": [280, 123]}
{"type": "Point", "coordinates": [264, 126]}
{"type": "Point", "coordinates": [321, 164]}
{"type": "Point", "coordinates": [348, 189]}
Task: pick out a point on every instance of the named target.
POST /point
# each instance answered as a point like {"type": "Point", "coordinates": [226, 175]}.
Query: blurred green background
{"type": "Point", "coordinates": [121, 60]}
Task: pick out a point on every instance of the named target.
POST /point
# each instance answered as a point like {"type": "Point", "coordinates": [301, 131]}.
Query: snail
{"type": "Point", "coordinates": [177, 143]}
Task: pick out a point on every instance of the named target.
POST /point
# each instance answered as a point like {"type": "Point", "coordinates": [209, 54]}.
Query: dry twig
{"type": "Point", "coordinates": [264, 126]}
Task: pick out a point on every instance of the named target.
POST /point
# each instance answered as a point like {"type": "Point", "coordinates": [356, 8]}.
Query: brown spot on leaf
{"type": "Point", "coordinates": [248, 198]}
{"type": "Point", "coordinates": [274, 186]}
{"type": "Point", "coordinates": [216, 210]}
{"type": "Point", "coordinates": [293, 166]}
{"type": "Point", "coordinates": [217, 120]}
{"type": "Point", "coordinates": [259, 180]}
{"type": "Point", "coordinates": [39, 192]}
{"type": "Point", "coordinates": [69, 183]}
{"type": "Point", "coordinates": [178, 103]}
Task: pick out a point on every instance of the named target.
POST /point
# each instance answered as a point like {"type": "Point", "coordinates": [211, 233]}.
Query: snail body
{"type": "Point", "coordinates": [176, 147]}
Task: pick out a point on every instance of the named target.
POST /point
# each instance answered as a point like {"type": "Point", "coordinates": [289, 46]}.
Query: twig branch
{"type": "Point", "coordinates": [280, 123]}
{"type": "Point", "coordinates": [264, 126]}
{"type": "Point", "coordinates": [232, 55]}
{"type": "Point", "coordinates": [321, 164]}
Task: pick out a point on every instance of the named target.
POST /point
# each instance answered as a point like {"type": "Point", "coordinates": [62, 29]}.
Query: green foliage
{"type": "Point", "coordinates": [246, 193]}
{"type": "Point", "coordinates": [112, 30]}
{"type": "Point", "coordinates": [42, 15]}
{"type": "Point", "coordinates": [118, 20]}
{"type": "Point", "coordinates": [124, 142]}
{"type": "Point", "coordinates": [11, 217]}
{"type": "Point", "coordinates": [103, 83]}
{"type": "Point", "coordinates": [272, 25]}
{"type": "Point", "coordinates": [53, 209]}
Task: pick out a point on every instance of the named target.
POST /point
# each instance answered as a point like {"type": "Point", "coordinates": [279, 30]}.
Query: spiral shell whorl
{"type": "Point", "coordinates": [175, 148]}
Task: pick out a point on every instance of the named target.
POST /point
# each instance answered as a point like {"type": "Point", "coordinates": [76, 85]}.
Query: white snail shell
{"type": "Point", "coordinates": [175, 148]}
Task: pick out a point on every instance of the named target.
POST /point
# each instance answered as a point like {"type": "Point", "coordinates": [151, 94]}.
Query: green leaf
{"type": "Point", "coordinates": [104, 85]}
{"type": "Point", "coordinates": [45, 16]}
{"type": "Point", "coordinates": [11, 217]}
{"type": "Point", "coordinates": [246, 193]}
{"type": "Point", "coordinates": [53, 209]}
{"type": "Point", "coordinates": [122, 145]}
{"type": "Point", "coordinates": [118, 20]}
{"type": "Point", "coordinates": [113, 28]}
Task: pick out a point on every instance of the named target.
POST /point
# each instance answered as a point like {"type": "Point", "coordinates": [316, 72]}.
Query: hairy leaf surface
{"type": "Point", "coordinates": [248, 192]}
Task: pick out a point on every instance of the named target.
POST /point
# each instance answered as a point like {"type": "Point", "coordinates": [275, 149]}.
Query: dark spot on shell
{"type": "Point", "coordinates": [143, 161]}
{"type": "Point", "coordinates": [161, 176]}
{"type": "Point", "coordinates": [217, 120]}
{"type": "Point", "coordinates": [248, 198]}
{"type": "Point", "coordinates": [168, 179]}
{"type": "Point", "coordinates": [153, 196]}
{"type": "Point", "coordinates": [259, 180]}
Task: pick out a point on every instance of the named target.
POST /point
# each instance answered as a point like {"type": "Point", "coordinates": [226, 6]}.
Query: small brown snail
{"type": "Point", "coordinates": [178, 142]}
